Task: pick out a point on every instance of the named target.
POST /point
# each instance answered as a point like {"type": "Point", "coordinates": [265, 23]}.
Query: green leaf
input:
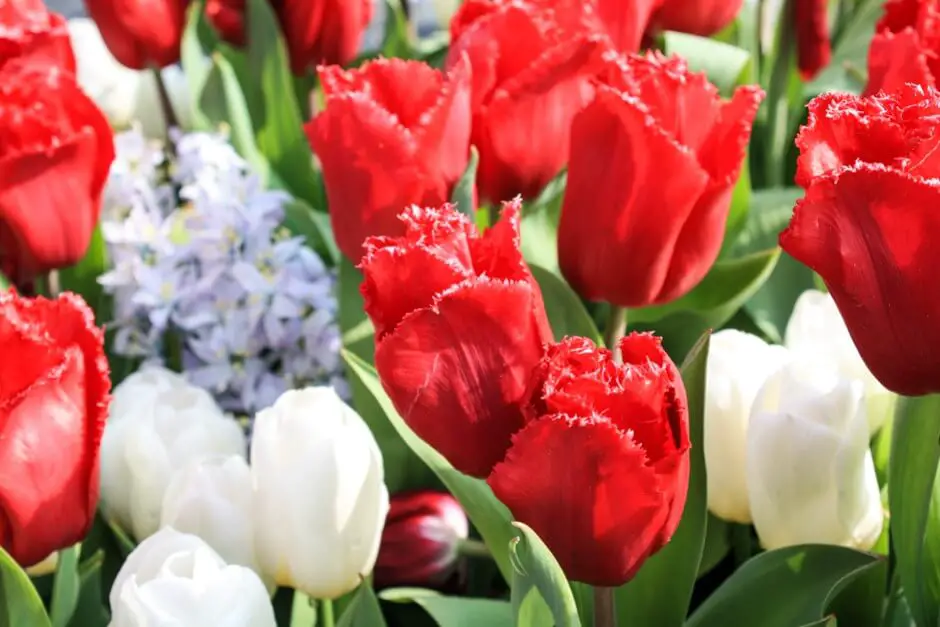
{"type": "Point", "coordinates": [314, 226]}
{"type": "Point", "coordinates": [363, 611]}
{"type": "Point", "coordinates": [90, 611]}
{"type": "Point", "coordinates": [660, 593]}
{"type": "Point", "coordinates": [466, 612]}
{"type": "Point", "coordinates": [566, 313]}
{"type": "Point", "coordinates": [716, 546]}
{"type": "Point", "coordinates": [4, 283]}
{"type": "Point", "coordinates": [465, 189]}
{"type": "Point", "coordinates": [65, 587]}
{"type": "Point", "coordinates": [82, 278]}
{"type": "Point", "coordinates": [223, 104]}
{"type": "Point", "coordinates": [196, 48]}
{"type": "Point", "coordinates": [275, 113]}
{"type": "Point", "coordinates": [540, 225]}
{"type": "Point", "coordinates": [303, 611]}
{"type": "Point", "coordinates": [397, 42]}
{"type": "Point", "coordinates": [538, 583]}
{"type": "Point", "coordinates": [913, 502]}
{"type": "Point", "coordinates": [850, 53]}
{"type": "Point", "coordinates": [861, 602]}
{"type": "Point", "coordinates": [724, 290]}
{"type": "Point", "coordinates": [727, 66]}
{"type": "Point", "coordinates": [783, 588]}
{"type": "Point", "coordinates": [739, 211]}
{"type": "Point", "coordinates": [486, 512]}
{"type": "Point", "coordinates": [20, 605]}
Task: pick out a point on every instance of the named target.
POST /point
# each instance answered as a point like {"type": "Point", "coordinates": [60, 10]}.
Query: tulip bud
{"type": "Point", "coordinates": [817, 334]}
{"type": "Point", "coordinates": [171, 425]}
{"type": "Point", "coordinates": [320, 495]}
{"type": "Point", "coordinates": [810, 474]}
{"type": "Point", "coordinates": [174, 578]}
{"type": "Point", "coordinates": [738, 365]}
{"type": "Point", "coordinates": [212, 498]}
{"type": "Point", "coordinates": [420, 540]}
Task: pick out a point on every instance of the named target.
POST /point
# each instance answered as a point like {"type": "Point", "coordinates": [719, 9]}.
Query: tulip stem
{"type": "Point", "coordinates": [741, 546]}
{"type": "Point", "coordinates": [778, 101]}
{"type": "Point", "coordinates": [616, 328]}
{"type": "Point", "coordinates": [605, 609]}
{"type": "Point", "coordinates": [473, 548]}
{"type": "Point", "coordinates": [166, 105]}
{"type": "Point", "coordinates": [326, 613]}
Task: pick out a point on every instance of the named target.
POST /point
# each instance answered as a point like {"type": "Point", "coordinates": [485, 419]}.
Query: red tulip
{"type": "Point", "coordinates": [53, 405]}
{"type": "Point", "coordinates": [140, 33]}
{"type": "Point", "coordinates": [316, 31]}
{"type": "Point", "coordinates": [621, 23]}
{"type": "Point", "coordinates": [698, 17]}
{"type": "Point", "coordinates": [813, 48]}
{"type": "Point", "coordinates": [906, 46]}
{"type": "Point", "coordinates": [530, 77]}
{"type": "Point", "coordinates": [420, 541]}
{"type": "Point", "coordinates": [601, 469]}
{"type": "Point", "coordinates": [56, 148]}
{"type": "Point", "coordinates": [459, 325]}
{"type": "Point", "coordinates": [871, 172]}
{"type": "Point", "coordinates": [394, 133]}
{"type": "Point", "coordinates": [627, 234]}
{"type": "Point", "coordinates": [28, 29]}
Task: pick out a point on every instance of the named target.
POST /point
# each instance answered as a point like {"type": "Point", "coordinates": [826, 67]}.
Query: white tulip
{"type": "Point", "coordinates": [810, 474]}
{"type": "Point", "coordinates": [738, 365]}
{"type": "Point", "coordinates": [320, 495]}
{"type": "Point", "coordinates": [817, 333]}
{"type": "Point", "coordinates": [174, 579]}
{"type": "Point", "coordinates": [142, 388]}
{"type": "Point", "coordinates": [212, 498]}
{"type": "Point", "coordinates": [124, 95]}
{"type": "Point", "coordinates": [144, 445]}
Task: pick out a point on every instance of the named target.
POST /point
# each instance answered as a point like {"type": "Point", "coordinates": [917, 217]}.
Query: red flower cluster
{"type": "Point", "coordinates": [906, 46]}
{"type": "Point", "coordinates": [316, 31]}
{"type": "Point", "coordinates": [560, 431]}
{"type": "Point", "coordinates": [651, 115]}
{"type": "Point", "coordinates": [870, 168]}
{"type": "Point", "coordinates": [55, 146]}
{"type": "Point", "coordinates": [53, 406]}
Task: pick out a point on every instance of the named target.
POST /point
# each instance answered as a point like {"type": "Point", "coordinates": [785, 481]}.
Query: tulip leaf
{"type": "Point", "coordinates": [20, 604]}
{"type": "Point", "coordinates": [717, 544]}
{"type": "Point", "coordinates": [846, 70]}
{"type": "Point", "coordinates": [538, 584]}
{"type": "Point", "coordinates": [363, 610]}
{"type": "Point", "coordinates": [4, 282]}
{"type": "Point", "coordinates": [65, 587]}
{"type": "Point", "coordinates": [301, 219]}
{"type": "Point", "coordinates": [222, 103]}
{"type": "Point", "coordinates": [566, 313]}
{"type": "Point", "coordinates": [274, 111]}
{"type": "Point", "coordinates": [660, 593]}
{"type": "Point", "coordinates": [914, 503]}
{"type": "Point", "coordinates": [540, 225]}
{"type": "Point", "coordinates": [89, 610]}
{"type": "Point", "coordinates": [491, 518]}
{"type": "Point", "coordinates": [196, 47]}
{"type": "Point", "coordinates": [727, 66]}
{"type": "Point", "coordinates": [82, 278]}
{"type": "Point", "coordinates": [403, 468]}
{"type": "Point", "coordinates": [785, 587]}
{"type": "Point", "coordinates": [464, 194]}
{"type": "Point", "coordinates": [450, 611]}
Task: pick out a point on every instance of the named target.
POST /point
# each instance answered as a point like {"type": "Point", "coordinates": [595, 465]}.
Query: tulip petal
{"type": "Point", "coordinates": [895, 59]}
{"type": "Point", "coordinates": [583, 486]}
{"type": "Point", "coordinates": [438, 368]}
{"type": "Point", "coordinates": [866, 232]}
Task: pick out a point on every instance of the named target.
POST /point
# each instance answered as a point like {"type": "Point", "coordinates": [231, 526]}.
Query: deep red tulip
{"type": "Point", "coordinates": [141, 33]}
{"type": "Point", "coordinates": [531, 76]}
{"type": "Point", "coordinates": [601, 469]}
{"type": "Point", "coordinates": [698, 17]}
{"type": "Point", "coordinates": [871, 172]}
{"type": "Point", "coordinates": [53, 404]}
{"type": "Point", "coordinates": [394, 133]}
{"type": "Point", "coordinates": [56, 148]}
{"type": "Point", "coordinates": [813, 46]}
{"type": "Point", "coordinates": [28, 29]}
{"type": "Point", "coordinates": [420, 540]}
{"type": "Point", "coordinates": [627, 235]}
{"type": "Point", "coordinates": [316, 31]}
{"type": "Point", "coordinates": [621, 23]}
{"type": "Point", "coordinates": [459, 325]}
{"type": "Point", "coordinates": [906, 46]}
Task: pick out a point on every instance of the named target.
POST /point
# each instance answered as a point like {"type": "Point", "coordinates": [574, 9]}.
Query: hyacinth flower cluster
{"type": "Point", "coordinates": [205, 275]}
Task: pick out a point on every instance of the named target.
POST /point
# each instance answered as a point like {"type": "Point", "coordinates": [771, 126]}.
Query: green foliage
{"type": "Point", "coordinates": [20, 604]}
{"type": "Point", "coordinates": [540, 592]}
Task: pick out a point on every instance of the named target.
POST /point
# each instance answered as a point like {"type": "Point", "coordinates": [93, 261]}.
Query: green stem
{"type": "Point", "coordinates": [778, 100]}
{"type": "Point", "coordinates": [474, 548]}
{"type": "Point", "coordinates": [741, 545]}
{"type": "Point", "coordinates": [166, 105]}
{"type": "Point", "coordinates": [326, 613]}
{"type": "Point", "coordinates": [605, 607]}
{"type": "Point", "coordinates": [616, 328]}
